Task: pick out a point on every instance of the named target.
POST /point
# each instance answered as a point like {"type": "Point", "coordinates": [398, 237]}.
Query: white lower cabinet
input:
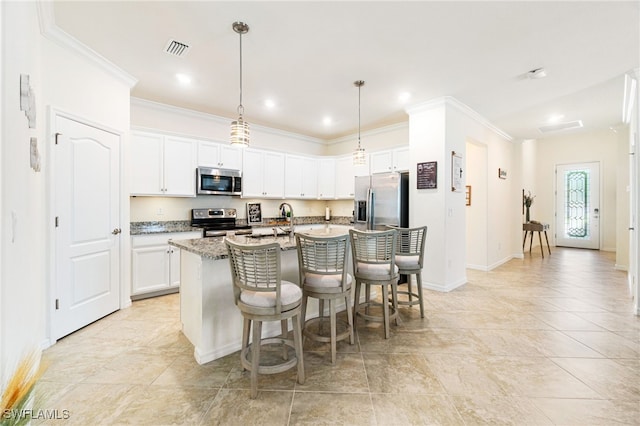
{"type": "Point", "coordinates": [155, 265]}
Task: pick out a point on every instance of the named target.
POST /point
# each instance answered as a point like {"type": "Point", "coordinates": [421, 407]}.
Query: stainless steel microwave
{"type": "Point", "coordinates": [214, 181]}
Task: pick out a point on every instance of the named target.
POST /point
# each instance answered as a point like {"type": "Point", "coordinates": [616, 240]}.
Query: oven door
{"type": "Point", "coordinates": [218, 181]}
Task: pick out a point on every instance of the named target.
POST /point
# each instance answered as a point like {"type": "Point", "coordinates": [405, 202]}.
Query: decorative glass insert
{"type": "Point", "coordinates": [576, 220]}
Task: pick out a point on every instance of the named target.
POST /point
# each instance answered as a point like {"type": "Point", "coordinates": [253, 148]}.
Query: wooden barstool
{"type": "Point", "coordinates": [261, 295]}
{"type": "Point", "coordinates": [374, 265]}
{"type": "Point", "coordinates": [409, 260]}
{"type": "Point", "coordinates": [323, 275]}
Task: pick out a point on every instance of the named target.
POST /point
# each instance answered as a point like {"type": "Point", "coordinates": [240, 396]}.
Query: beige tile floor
{"type": "Point", "coordinates": [535, 341]}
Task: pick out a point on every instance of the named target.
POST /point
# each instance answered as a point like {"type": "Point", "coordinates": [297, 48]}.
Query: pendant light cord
{"type": "Point", "coordinates": [240, 107]}
{"type": "Point", "coordinates": [359, 87]}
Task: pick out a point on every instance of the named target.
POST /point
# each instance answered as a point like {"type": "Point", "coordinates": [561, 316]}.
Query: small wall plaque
{"type": "Point", "coordinates": [502, 173]}
{"type": "Point", "coordinates": [427, 175]}
{"type": "Point", "coordinates": [254, 213]}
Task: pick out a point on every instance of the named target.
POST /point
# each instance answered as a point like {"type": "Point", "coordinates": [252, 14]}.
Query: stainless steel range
{"type": "Point", "coordinates": [216, 222]}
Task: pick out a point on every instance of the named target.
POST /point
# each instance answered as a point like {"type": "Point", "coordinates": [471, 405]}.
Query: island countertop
{"type": "Point", "coordinates": [214, 248]}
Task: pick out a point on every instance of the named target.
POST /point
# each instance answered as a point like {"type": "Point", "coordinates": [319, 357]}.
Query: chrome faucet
{"type": "Point", "coordinates": [282, 209]}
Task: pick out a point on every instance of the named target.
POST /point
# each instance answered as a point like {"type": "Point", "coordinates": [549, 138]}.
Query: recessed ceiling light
{"type": "Point", "coordinates": [183, 79]}
{"type": "Point", "coordinates": [327, 121]}
{"type": "Point", "coordinates": [555, 118]}
{"type": "Point", "coordinates": [537, 73]}
{"type": "Point", "coordinates": [270, 103]}
{"type": "Point", "coordinates": [404, 96]}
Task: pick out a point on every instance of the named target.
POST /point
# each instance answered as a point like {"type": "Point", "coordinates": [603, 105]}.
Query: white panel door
{"type": "Point", "coordinates": [578, 205]}
{"type": "Point", "coordinates": [87, 208]}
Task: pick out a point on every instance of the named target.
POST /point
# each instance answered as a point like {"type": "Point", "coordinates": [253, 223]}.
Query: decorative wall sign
{"type": "Point", "coordinates": [502, 173]}
{"type": "Point", "coordinates": [428, 175]}
{"type": "Point", "coordinates": [27, 100]}
{"type": "Point", "coordinates": [457, 177]}
{"type": "Point", "coordinates": [467, 195]}
{"type": "Point", "coordinates": [254, 213]}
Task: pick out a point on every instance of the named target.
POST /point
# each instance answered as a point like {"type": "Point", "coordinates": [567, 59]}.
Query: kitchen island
{"type": "Point", "coordinates": [210, 319]}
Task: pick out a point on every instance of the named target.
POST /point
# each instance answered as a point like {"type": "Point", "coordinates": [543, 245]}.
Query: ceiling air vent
{"type": "Point", "coordinates": [176, 48]}
{"type": "Point", "coordinates": [569, 125]}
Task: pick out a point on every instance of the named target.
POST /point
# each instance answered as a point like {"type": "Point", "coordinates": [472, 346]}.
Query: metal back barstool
{"type": "Point", "coordinates": [261, 295]}
{"type": "Point", "coordinates": [374, 264]}
{"type": "Point", "coordinates": [409, 260]}
{"type": "Point", "coordinates": [323, 275]}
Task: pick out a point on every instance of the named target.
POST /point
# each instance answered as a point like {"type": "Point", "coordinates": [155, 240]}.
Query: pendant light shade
{"type": "Point", "coordinates": [239, 127]}
{"type": "Point", "coordinates": [359, 156]}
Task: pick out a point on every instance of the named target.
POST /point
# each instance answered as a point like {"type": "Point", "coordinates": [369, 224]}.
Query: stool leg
{"type": "Point", "coordinates": [530, 241]}
{"type": "Point", "coordinates": [255, 357]}
{"type": "Point", "coordinates": [356, 303]}
{"type": "Point", "coordinates": [524, 240]}
{"type": "Point", "coordinates": [246, 329]}
{"type": "Point", "coordinates": [284, 327]}
{"type": "Point", "coordinates": [419, 284]}
{"type": "Point", "coordinates": [350, 318]}
{"type": "Point", "coordinates": [332, 319]}
{"type": "Point", "coordinates": [394, 301]}
{"type": "Point", "coordinates": [321, 315]}
{"type": "Point", "coordinates": [297, 342]}
{"type": "Point", "coordinates": [385, 309]}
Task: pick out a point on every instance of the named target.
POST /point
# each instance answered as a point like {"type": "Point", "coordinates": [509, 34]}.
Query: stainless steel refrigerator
{"type": "Point", "coordinates": [380, 200]}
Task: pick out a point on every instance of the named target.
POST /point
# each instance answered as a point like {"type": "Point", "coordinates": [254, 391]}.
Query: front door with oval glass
{"type": "Point", "coordinates": [578, 205]}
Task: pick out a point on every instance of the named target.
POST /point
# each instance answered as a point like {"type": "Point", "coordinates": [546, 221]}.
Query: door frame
{"type": "Point", "coordinates": [124, 240]}
{"type": "Point", "coordinates": [599, 186]}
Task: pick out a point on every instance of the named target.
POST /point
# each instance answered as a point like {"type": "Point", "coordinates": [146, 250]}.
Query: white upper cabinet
{"type": "Point", "coordinates": [394, 160]}
{"type": "Point", "coordinates": [218, 155]}
{"type": "Point", "coordinates": [262, 174]}
{"type": "Point", "coordinates": [162, 165]}
{"type": "Point", "coordinates": [301, 177]}
{"type": "Point", "coordinates": [327, 179]}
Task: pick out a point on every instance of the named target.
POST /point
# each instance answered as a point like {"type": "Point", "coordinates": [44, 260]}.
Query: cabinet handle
{"type": "Point", "coordinates": [116, 231]}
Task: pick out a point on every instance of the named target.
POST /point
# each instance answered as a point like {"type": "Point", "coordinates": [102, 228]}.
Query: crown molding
{"type": "Point", "coordinates": [51, 31]}
{"type": "Point", "coordinates": [466, 110]}
{"type": "Point", "coordinates": [218, 119]}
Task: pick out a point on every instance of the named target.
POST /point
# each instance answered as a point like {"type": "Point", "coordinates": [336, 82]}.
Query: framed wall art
{"type": "Point", "coordinates": [427, 174]}
{"type": "Point", "coordinates": [254, 213]}
{"type": "Point", "coordinates": [457, 177]}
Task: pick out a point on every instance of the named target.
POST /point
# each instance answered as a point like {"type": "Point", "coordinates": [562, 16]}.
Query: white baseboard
{"type": "Point", "coordinates": [446, 287]}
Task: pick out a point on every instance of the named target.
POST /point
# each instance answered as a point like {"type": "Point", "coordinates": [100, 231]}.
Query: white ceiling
{"type": "Point", "coordinates": [306, 55]}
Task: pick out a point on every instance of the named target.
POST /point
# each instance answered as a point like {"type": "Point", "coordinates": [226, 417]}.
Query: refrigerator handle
{"type": "Point", "coordinates": [370, 214]}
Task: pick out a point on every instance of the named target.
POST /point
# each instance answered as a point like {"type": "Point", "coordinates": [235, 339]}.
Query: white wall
{"type": "Point", "coordinates": [62, 80]}
{"type": "Point", "coordinates": [464, 124]}
{"type": "Point", "coordinates": [601, 146]}
{"type": "Point", "coordinates": [23, 260]}
{"type": "Point", "coordinates": [476, 213]}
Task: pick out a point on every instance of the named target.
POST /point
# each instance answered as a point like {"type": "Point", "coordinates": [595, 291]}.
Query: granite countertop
{"type": "Point", "coordinates": [151, 227]}
{"type": "Point", "coordinates": [214, 248]}
{"type": "Point", "coordinates": [145, 228]}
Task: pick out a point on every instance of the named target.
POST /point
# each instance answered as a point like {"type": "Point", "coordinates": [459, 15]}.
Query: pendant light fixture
{"type": "Point", "coordinates": [240, 128]}
{"type": "Point", "coordinates": [359, 156]}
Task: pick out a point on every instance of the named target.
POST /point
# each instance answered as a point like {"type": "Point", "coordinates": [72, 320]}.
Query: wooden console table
{"type": "Point", "coordinates": [535, 227]}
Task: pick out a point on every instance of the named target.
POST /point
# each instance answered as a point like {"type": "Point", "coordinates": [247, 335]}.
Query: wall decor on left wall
{"type": "Point", "coordinates": [27, 100]}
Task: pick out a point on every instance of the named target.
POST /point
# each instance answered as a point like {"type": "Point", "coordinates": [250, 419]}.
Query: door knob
{"type": "Point", "coordinates": [116, 231]}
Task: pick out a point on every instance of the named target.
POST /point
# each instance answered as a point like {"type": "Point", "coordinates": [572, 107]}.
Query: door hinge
{"type": "Point", "coordinates": [57, 222]}
{"type": "Point", "coordinates": [57, 304]}
{"type": "Point", "coordinates": [57, 135]}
